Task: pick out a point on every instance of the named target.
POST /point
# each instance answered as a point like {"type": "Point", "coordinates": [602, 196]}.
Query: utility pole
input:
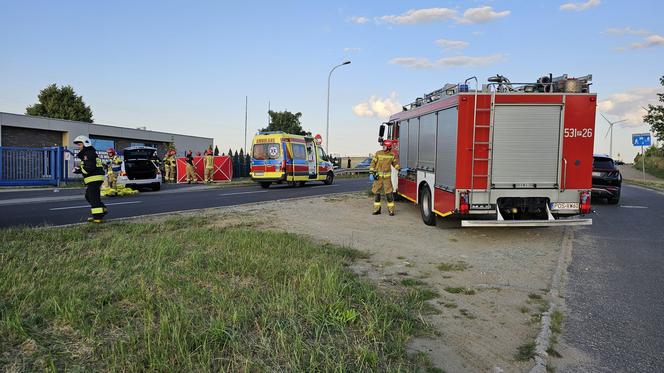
{"type": "Point", "coordinates": [327, 126]}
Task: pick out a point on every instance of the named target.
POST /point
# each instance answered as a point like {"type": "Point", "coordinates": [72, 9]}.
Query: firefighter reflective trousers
{"type": "Point", "coordinates": [112, 179]}
{"type": "Point", "coordinates": [383, 184]}
{"type": "Point", "coordinates": [208, 175]}
{"type": "Point", "coordinates": [93, 196]}
{"type": "Point", "coordinates": [191, 174]}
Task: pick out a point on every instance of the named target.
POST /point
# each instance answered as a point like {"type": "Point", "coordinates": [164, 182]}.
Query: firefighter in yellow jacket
{"type": "Point", "coordinates": [380, 173]}
{"type": "Point", "coordinates": [209, 166]}
{"type": "Point", "coordinates": [169, 166]}
{"type": "Point", "coordinates": [114, 167]}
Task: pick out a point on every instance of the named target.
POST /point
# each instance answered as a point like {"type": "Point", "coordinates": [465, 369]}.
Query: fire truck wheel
{"type": "Point", "coordinates": [428, 217]}
{"type": "Point", "coordinates": [329, 179]}
{"type": "Point", "coordinates": [265, 185]}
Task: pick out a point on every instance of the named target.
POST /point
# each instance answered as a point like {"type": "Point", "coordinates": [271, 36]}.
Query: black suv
{"type": "Point", "coordinates": [606, 179]}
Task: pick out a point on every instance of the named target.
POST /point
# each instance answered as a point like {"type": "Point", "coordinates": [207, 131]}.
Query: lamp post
{"type": "Point", "coordinates": [327, 126]}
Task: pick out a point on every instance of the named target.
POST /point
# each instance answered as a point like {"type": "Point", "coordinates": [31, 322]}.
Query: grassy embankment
{"type": "Point", "coordinates": [183, 295]}
{"type": "Point", "coordinates": [654, 164]}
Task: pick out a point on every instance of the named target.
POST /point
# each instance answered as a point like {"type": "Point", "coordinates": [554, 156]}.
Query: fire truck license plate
{"type": "Point", "coordinates": [566, 206]}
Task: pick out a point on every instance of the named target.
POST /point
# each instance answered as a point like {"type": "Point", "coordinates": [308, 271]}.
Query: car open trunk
{"type": "Point", "coordinates": [139, 164]}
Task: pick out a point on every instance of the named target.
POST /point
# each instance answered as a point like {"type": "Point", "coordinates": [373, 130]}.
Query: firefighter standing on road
{"type": "Point", "coordinates": [191, 173]}
{"type": "Point", "coordinates": [93, 177]}
{"type": "Point", "coordinates": [209, 166]}
{"type": "Point", "coordinates": [380, 172]}
{"type": "Point", "coordinates": [114, 166]}
{"type": "Point", "coordinates": [169, 166]}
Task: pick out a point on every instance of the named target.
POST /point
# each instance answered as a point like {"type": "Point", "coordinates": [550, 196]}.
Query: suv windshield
{"type": "Point", "coordinates": [266, 151]}
{"type": "Point", "coordinates": [603, 163]}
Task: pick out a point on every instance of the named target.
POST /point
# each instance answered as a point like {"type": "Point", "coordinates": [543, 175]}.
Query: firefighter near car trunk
{"type": "Point", "coordinates": [93, 176]}
{"type": "Point", "coordinates": [169, 166]}
{"type": "Point", "coordinates": [114, 166]}
{"type": "Point", "coordinates": [380, 172]}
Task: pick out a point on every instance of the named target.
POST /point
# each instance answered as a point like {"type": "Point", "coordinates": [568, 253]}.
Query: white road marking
{"type": "Point", "coordinates": [88, 206]}
{"type": "Point", "coordinates": [633, 207]}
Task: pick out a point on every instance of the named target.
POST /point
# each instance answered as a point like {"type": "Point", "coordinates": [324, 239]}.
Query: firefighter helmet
{"type": "Point", "coordinates": [83, 139]}
{"type": "Point", "coordinates": [387, 144]}
{"type": "Point", "coordinates": [110, 151]}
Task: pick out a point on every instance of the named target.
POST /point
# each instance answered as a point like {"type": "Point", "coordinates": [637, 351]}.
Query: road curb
{"type": "Point", "coordinates": [543, 340]}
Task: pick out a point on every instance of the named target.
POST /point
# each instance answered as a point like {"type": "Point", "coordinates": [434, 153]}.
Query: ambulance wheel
{"type": "Point", "coordinates": [156, 186]}
{"type": "Point", "coordinates": [329, 179]}
{"type": "Point", "coordinates": [301, 183]}
{"type": "Point", "coordinates": [265, 185]}
{"type": "Point", "coordinates": [428, 217]}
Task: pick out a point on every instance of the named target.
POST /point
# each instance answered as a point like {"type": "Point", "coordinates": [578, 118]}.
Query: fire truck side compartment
{"type": "Point", "coordinates": [446, 148]}
{"type": "Point", "coordinates": [413, 137]}
{"type": "Point", "coordinates": [426, 149]}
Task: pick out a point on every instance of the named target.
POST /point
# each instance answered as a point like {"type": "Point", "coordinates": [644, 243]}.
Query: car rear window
{"type": "Point", "coordinates": [139, 154]}
{"type": "Point", "coordinates": [603, 163]}
{"type": "Point", "coordinates": [266, 151]}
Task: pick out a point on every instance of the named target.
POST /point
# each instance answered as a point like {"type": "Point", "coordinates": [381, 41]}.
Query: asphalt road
{"type": "Point", "coordinates": [67, 206]}
{"type": "Point", "coordinates": [615, 292]}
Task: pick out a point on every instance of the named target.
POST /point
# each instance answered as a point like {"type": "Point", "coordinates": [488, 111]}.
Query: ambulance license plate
{"type": "Point", "coordinates": [258, 174]}
{"type": "Point", "coordinates": [566, 206]}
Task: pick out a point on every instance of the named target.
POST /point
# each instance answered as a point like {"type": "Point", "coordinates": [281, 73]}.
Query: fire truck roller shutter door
{"type": "Point", "coordinates": [426, 148]}
{"type": "Point", "coordinates": [446, 141]}
{"type": "Point", "coordinates": [403, 144]}
{"type": "Point", "coordinates": [525, 146]}
{"type": "Point", "coordinates": [413, 136]}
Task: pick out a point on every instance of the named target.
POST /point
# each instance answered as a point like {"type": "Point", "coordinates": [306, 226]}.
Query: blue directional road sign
{"type": "Point", "coordinates": [641, 139]}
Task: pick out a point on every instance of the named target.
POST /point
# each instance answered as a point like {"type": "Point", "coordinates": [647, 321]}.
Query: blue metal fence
{"type": "Point", "coordinates": [31, 166]}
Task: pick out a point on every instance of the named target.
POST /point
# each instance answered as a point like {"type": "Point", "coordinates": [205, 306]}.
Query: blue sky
{"type": "Point", "coordinates": [187, 66]}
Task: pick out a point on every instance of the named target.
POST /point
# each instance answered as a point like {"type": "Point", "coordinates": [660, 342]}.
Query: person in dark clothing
{"type": "Point", "coordinates": [191, 172]}
{"type": "Point", "coordinates": [93, 177]}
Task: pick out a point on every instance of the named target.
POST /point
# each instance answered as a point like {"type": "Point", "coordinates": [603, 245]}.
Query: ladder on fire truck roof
{"type": "Point", "coordinates": [485, 127]}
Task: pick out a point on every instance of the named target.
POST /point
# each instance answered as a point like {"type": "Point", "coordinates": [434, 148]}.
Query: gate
{"type": "Point", "coordinates": [31, 166]}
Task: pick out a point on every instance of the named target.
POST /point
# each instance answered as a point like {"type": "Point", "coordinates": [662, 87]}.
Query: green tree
{"type": "Point", "coordinates": [216, 151]}
{"type": "Point", "coordinates": [655, 116]}
{"type": "Point", "coordinates": [60, 103]}
{"type": "Point", "coordinates": [285, 121]}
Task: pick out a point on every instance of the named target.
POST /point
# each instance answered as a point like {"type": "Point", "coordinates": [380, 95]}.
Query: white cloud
{"type": "Point", "coordinates": [628, 105]}
{"type": "Point", "coordinates": [416, 16]}
{"type": "Point", "coordinates": [481, 15]}
{"type": "Point", "coordinates": [352, 50]}
{"type": "Point", "coordinates": [580, 6]}
{"type": "Point", "coordinates": [626, 31]}
{"type": "Point", "coordinates": [454, 61]}
{"type": "Point", "coordinates": [452, 44]}
{"type": "Point", "coordinates": [649, 42]}
{"type": "Point", "coordinates": [378, 107]}
{"type": "Point", "coordinates": [358, 19]}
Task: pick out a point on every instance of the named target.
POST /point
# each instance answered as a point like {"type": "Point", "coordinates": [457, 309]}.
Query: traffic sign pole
{"type": "Point", "coordinates": [643, 163]}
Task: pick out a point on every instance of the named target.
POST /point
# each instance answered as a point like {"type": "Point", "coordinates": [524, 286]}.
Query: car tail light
{"type": "Point", "coordinates": [464, 207]}
{"type": "Point", "coordinates": [584, 202]}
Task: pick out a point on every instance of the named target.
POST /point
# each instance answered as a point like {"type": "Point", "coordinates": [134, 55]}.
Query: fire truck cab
{"type": "Point", "coordinates": [503, 154]}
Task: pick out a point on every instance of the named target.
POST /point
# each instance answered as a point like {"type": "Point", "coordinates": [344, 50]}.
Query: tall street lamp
{"type": "Point", "coordinates": [327, 127]}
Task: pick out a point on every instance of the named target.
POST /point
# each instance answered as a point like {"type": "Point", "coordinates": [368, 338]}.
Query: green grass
{"type": "Point", "coordinates": [182, 295]}
{"type": "Point", "coordinates": [525, 352]}
{"type": "Point", "coordinates": [455, 266]}
{"type": "Point", "coordinates": [658, 185]}
{"type": "Point", "coordinates": [460, 290]}
{"type": "Point", "coordinates": [411, 282]}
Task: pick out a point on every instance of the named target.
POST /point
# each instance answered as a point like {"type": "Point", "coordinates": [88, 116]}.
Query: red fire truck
{"type": "Point", "coordinates": [501, 154]}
